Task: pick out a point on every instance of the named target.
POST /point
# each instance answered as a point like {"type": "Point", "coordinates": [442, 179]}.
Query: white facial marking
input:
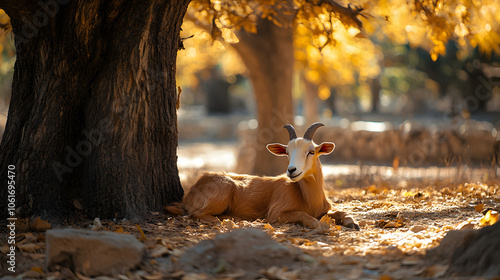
{"type": "Point", "coordinates": [301, 158]}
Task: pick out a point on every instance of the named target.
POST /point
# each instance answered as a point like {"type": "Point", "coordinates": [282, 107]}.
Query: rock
{"type": "Point", "coordinates": [478, 254]}
{"type": "Point", "coordinates": [417, 228]}
{"type": "Point", "coordinates": [92, 253]}
{"type": "Point", "coordinates": [97, 224]}
{"type": "Point", "coordinates": [248, 249]}
{"type": "Point", "coordinates": [452, 240]}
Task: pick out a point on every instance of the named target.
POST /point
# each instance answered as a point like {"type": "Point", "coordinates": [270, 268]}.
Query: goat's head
{"type": "Point", "coordinates": [302, 152]}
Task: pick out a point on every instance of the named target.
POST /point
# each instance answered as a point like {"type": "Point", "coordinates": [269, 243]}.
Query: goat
{"type": "Point", "coordinates": [295, 197]}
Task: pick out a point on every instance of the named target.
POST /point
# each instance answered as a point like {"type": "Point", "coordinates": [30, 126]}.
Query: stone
{"type": "Point", "coordinates": [243, 249]}
{"type": "Point", "coordinates": [92, 253]}
{"type": "Point", "coordinates": [417, 228]}
{"type": "Point", "coordinates": [452, 240]}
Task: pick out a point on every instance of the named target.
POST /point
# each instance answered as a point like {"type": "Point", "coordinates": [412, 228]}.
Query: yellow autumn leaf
{"type": "Point", "coordinates": [120, 230]}
{"type": "Point", "coordinates": [37, 269]}
{"type": "Point", "coordinates": [143, 236]}
{"type": "Point", "coordinates": [490, 218]}
{"type": "Point", "coordinates": [395, 163]}
{"type": "Point", "coordinates": [269, 227]}
{"type": "Point", "coordinates": [327, 220]}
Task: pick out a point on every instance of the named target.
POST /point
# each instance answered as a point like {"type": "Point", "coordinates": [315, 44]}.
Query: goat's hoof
{"type": "Point", "coordinates": [354, 226]}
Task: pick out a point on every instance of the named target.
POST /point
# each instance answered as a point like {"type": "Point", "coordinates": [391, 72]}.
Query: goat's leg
{"type": "Point", "coordinates": [343, 218]}
{"type": "Point", "coordinates": [296, 217]}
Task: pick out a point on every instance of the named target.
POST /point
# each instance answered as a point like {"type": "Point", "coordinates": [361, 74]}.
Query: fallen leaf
{"type": "Point", "coordinates": [37, 269]}
{"type": "Point", "coordinates": [28, 248]}
{"type": "Point", "coordinates": [77, 204]}
{"type": "Point", "coordinates": [31, 274]}
{"type": "Point", "coordinates": [435, 271]}
{"type": "Point", "coordinates": [390, 224]}
{"type": "Point", "coordinates": [490, 218]}
{"type": "Point", "coordinates": [465, 225]}
{"type": "Point", "coordinates": [119, 230]}
{"type": "Point", "coordinates": [143, 236]}
{"type": "Point", "coordinates": [417, 228]}
{"type": "Point", "coordinates": [228, 224]}
{"type": "Point", "coordinates": [479, 207]}
{"type": "Point", "coordinates": [268, 227]}
{"type": "Point", "coordinates": [40, 238]}
{"type": "Point", "coordinates": [40, 225]}
{"type": "Point", "coordinates": [395, 163]}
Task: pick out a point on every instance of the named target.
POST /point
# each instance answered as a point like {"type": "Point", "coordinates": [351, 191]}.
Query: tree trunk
{"type": "Point", "coordinates": [311, 102]}
{"type": "Point", "coordinates": [268, 56]}
{"type": "Point", "coordinates": [92, 121]}
{"type": "Point", "coordinates": [375, 88]}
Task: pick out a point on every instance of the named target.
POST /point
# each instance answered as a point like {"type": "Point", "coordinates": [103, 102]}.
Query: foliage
{"type": "Point", "coordinates": [431, 24]}
{"type": "Point", "coordinates": [7, 51]}
{"type": "Point", "coordinates": [331, 38]}
{"type": "Point", "coordinates": [201, 52]}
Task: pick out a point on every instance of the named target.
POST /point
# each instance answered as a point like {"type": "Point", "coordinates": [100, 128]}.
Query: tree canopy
{"type": "Point", "coordinates": [334, 40]}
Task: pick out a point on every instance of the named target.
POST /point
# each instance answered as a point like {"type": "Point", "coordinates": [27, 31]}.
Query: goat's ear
{"type": "Point", "coordinates": [325, 148]}
{"type": "Point", "coordinates": [277, 149]}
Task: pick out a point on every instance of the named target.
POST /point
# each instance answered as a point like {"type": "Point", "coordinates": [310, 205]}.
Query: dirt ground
{"type": "Point", "coordinates": [400, 220]}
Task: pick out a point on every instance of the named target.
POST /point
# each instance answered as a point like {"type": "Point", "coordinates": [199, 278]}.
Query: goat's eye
{"type": "Point", "coordinates": [311, 153]}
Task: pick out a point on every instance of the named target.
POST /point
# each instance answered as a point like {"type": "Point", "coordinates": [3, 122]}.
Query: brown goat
{"type": "Point", "coordinates": [295, 197]}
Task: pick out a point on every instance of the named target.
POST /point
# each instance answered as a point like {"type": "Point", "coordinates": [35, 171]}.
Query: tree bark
{"type": "Point", "coordinates": [268, 56]}
{"type": "Point", "coordinates": [92, 119]}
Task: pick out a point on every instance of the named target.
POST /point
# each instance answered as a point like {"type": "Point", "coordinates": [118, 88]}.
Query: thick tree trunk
{"type": "Point", "coordinates": [268, 56]}
{"type": "Point", "coordinates": [92, 119]}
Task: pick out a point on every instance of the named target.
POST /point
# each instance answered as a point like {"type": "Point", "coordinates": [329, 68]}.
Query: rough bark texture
{"type": "Point", "coordinates": [268, 56]}
{"type": "Point", "coordinates": [92, 119]}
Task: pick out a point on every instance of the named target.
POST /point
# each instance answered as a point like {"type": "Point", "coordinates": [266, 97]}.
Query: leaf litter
{"type": "Point", "coordinates": [398, 226]}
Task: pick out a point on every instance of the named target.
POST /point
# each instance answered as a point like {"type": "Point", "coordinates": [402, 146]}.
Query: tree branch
{"type": "Point", "coordinates": [347, 14]}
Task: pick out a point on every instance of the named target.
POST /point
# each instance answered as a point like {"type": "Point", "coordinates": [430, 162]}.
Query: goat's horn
{"type": "Point", "coordinates": [310, 131]}
{"type": "Point", "coordinates": [291, 131]}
